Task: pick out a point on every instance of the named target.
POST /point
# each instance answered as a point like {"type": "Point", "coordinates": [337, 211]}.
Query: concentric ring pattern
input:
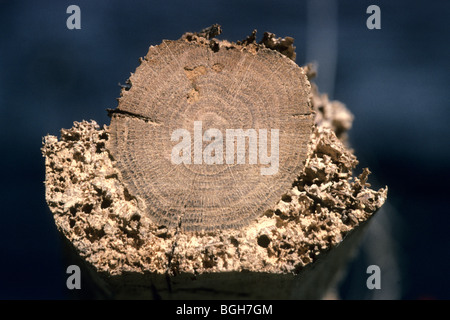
{"type": "Point", "coordinates": [179, 84]}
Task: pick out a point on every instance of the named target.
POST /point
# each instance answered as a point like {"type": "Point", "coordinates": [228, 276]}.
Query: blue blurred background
{"type": "Point", "coordinates": [394, 80]}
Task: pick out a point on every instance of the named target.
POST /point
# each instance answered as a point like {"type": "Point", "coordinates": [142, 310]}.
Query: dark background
{"type": "Point", "coordinates": [395, 81]}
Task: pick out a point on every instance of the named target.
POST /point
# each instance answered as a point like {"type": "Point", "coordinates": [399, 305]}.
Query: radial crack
{"type": "Point", "coordinates": [112, 112]}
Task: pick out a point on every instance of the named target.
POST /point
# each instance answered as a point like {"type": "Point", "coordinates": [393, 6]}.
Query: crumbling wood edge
{"type": "Point", "coordinates": [312, 282]}
{"type": "Point", "coordinates": [316, 279]}
{"type": "Point", "coordinates": [97, 244]}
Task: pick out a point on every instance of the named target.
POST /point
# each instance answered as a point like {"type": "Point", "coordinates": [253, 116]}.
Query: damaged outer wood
{"type": "Point", "coordinates": [294, 250]}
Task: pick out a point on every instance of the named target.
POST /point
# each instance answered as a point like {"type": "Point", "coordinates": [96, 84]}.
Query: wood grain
{"type": "Point", "coordinates": [179, 82]}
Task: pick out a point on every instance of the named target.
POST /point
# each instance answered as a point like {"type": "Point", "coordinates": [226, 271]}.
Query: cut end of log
{"type": "Point", "coordinates": [186, 88]}
{"type": "Point", "coordinates": [105, 217]}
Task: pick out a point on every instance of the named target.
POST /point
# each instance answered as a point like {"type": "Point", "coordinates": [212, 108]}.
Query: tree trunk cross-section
{"type": "Point", "coordinates": [179, 83]}
{"type": "Point", "coordinates": [128, 213]}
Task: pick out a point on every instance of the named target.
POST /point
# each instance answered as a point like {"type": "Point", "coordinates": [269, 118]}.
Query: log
{"type": "Point", "coordinates": [142, 225]}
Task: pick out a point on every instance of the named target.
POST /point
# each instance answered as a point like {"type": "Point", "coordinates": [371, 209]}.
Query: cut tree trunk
{"type": "Point", "coordinates": [212, 220]}
{"type": "Point", "coordinates": [182, 85]}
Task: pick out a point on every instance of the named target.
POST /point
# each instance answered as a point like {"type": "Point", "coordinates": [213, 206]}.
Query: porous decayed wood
{"type": "Point", "coordinates": [285, 249]}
